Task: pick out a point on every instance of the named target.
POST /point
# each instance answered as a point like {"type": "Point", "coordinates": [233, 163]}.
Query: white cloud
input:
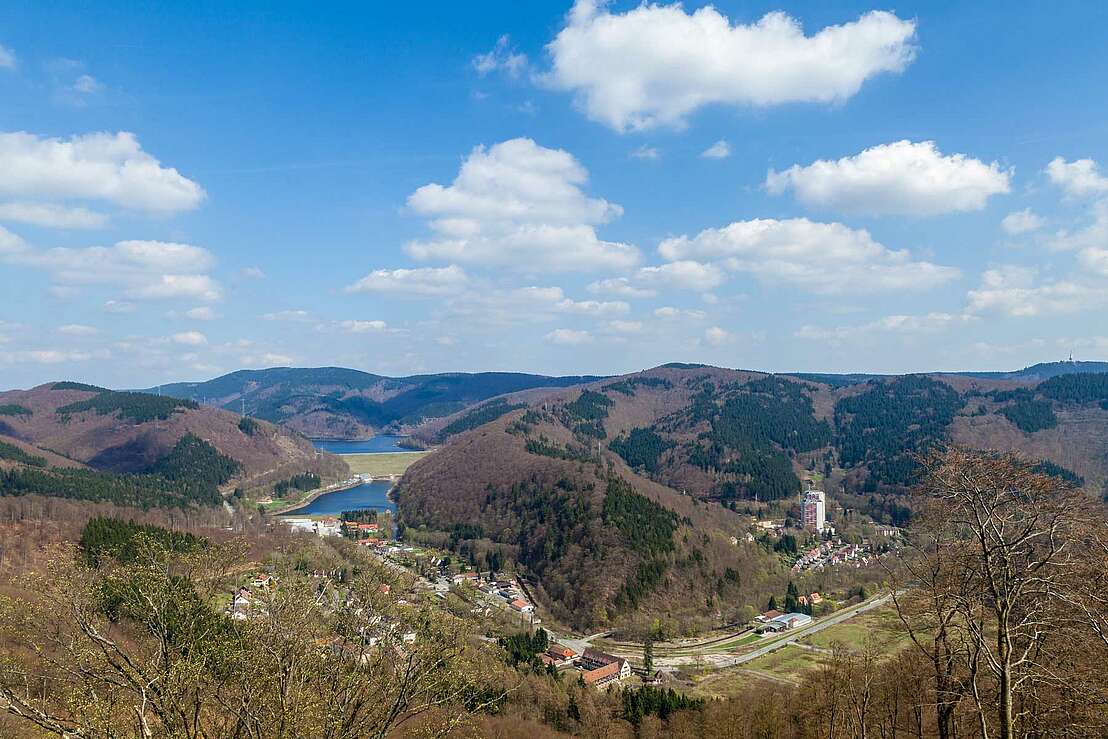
{"type": "Point", "coordinates": [895, 324]}
{"type": "Point", "coordinates": [190, 338]}
{"type": "Point", "coordinates": [252, 273]}
{"type": "Point", "coordinates": [827, 258]}
{"type": "Point", "coordinates": [96, 166]}
{"type": "Point", "coordinates": [619, 287]}
{"type": "Point", "coordinates": [50, 356]}
{"type": "Point", "coordinates": [287, 315]}
{"type": "Point", "coordinates": [77, 329]}
{"type": "Point", "coordinates": [685, 274]}
{"type": "Point", "coordinates": [568, 337]}
{"type": "Point", "coordinates": [1078, 178]}
{"type": "Point", "coordinates": [646, 152]}
{"type": "Point", "coordinates": [119, 307]}
{"type": "Point", "coordinates": [502, 57]}
{"type": "Point", "coordinates": [1095, 260]}
{"type": "Point", "coordinates": [7, 58]}
{"type": "Point", "coordinates": [1022, 221]}
{"type": "Point", "coordinates": [719, 150]}
{"type": "Point", "coordinates": [202, 313]}
{"type": "Point", "coordinates": [171, 287]}
{"type": "Point", "coordinates": [625, 327]}
{"type": "Point", "coordinates": [1012, 291]}
{"type": "Point", "coordinates": [363, 327]}
{"type": "Point", "coordinates": [656, 64]}
{"type": "Point", "coordinates": [422, 281]}
{"type": "Point", "coordinates": [51, 215]}
{"type": "Point", "coordinates": [716, 336]}
{"type": "Point", "coordinates": [900, 178]}
{"type": "Point", "coordinates": [529, 305]}
{"type": "Point", "coordinates": [519, 205]}
{"type": "Point", "coordinates": [1087, 240]}
{"type": "Point", "coordinates": [143, 269]}
{"type": "Point", "coordinates": [266, 359]}
{"type": "Point", "coordinates": [669, 312]}
{"type": "Point", "coordinates": [86, 84]}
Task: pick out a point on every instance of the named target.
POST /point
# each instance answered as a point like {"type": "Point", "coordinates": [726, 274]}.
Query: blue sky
{"type": "Point", "coordinates": [549, 187]}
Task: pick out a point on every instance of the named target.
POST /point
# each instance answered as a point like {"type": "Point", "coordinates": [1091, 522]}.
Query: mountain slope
{"type": "Point", "coordinates": [132, 432]}
{"type": "Point", "coordinates": [332, 402]}
{"type": "Point", "coordinates": [712, 448]}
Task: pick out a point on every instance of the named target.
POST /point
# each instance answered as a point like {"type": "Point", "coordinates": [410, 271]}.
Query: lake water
{"type": "Point", "coordinates": [365, 496]}
{"type": "Point", "coordinates": [377, 445]}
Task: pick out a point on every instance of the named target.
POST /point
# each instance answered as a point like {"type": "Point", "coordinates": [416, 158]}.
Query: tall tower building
{"type": "Point", "coordinates": [814, 510]}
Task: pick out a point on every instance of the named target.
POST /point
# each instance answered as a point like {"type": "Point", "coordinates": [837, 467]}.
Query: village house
{"type": "Point", "coordinates": [786, 621]}
{"type": "Point", "coordinates": [600, 668]}
{"type": "Point", "coordinates": [522, 606]}
{"type": "Point", "coordinates": [561, 654]}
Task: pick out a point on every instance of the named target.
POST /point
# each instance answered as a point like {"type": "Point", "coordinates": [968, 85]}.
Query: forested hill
{"type": "Point", "coordinates": [333, 402]}
{"type": "Point", "coordinates": [74, 440]}
{"type": "Point", "coordinates": [539, 481]}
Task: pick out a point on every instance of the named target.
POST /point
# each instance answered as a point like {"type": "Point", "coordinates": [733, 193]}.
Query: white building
{"type": "Point", "coordinates": [814, 510]}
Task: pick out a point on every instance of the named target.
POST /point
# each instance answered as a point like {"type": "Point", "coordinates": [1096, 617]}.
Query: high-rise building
{"type": "Point", "coordinates": [814, 510]}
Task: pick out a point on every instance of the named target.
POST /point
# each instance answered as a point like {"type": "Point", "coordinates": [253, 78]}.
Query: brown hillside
{"type": "Point", "coordinates": [113, 442]}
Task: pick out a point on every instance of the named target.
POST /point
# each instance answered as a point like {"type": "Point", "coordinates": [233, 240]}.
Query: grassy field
{"type": "Point", "coordinates": [382, 465]}
{"type": "Point", "coordinates": [879, 626]}
{"type": "Point", "coordinates": [789, 662]}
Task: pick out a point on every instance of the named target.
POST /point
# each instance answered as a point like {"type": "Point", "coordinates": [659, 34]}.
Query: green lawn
{"type": "Point", "coordinates": [382, 465]}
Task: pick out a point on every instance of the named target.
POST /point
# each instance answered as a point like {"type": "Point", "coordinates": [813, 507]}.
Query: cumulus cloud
{"type": "Point", "coordinates": [619, 287]}
{"type": "Point", "coordinates": [719, 150]}
{"type": "Point", "coordinates": [1078, 178]}
{"type": "Point", "coordinates": [902, 178]}
{"type": "Point", "coordinates": [685, 274]}
{"type": "Point", "coordinates": [51, 215]}
{"type": "Point", "coordinates": [252, 273]}
{"type": "Point", "coordinates": [201, 313]}
{"type": "Point", "coordinates": [119, 307]}
{"type": "Point", "coordinates": [1021, 222]}
{"type": "Point", "coordinates": [423, 281]}
{"type": "Point", "coordinates": [669, 312]}
{"type": "Point", "coordinates": [294, 316]}
{"type": "Point", "coordinates": [568, 337]}
{"type": "Point", "coordinates": [142, 269]}
{"type": "Point", "coordinates": [95, 166]}
{"type": "Point", "coordinates": [530, 304]}
{"type": "Point", "coordinates": [827, 258]}
{"type": "Point", "coordinates": [51, 356]}
{"type": "Point", "coordinates": [1013, 291]}
{"type": "Point", "coordinates": [717, 336]}
{"type": "Point", "coordinates": [7, 58]}
{"type": "Point", "coordinates": [625, 327]}
{"type": "Point", "coordinates": [519, 205]}
{"type": "Point", "coordinates": [656, 64]}
{"type": "Point", "coordinates": [77, 329]}
{"type": "Point", "coordinates": [190, 338]}
{"type": "Point", "coordinates": [895, 324]}
{"type": "Point", "coordinates": [503, 57]}
{"type": "Point", "coordinates": [646, 152]}
{"type": "Point", "coordinates": [363, 327]}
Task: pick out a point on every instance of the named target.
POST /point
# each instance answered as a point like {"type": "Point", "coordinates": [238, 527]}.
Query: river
{"type": "Point", "coordinates": [362, 497]}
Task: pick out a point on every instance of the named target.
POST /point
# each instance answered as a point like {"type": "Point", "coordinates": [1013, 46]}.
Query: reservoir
{"type": "Point", "coordinates": [362, 497]}
{"type": "Point", "coordinates": [380, 444]}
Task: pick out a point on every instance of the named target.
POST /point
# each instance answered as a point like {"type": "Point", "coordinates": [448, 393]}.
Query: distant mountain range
{"type": "Point", "coordinates": [1041, 371]}
{"type": "Point", "coordinates": [338, 403]}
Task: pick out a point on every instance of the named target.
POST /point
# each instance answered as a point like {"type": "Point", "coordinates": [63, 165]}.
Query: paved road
{"type": "Point", "coordinates": [815, 628]}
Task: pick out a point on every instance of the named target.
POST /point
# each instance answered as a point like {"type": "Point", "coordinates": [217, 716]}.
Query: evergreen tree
{"type": "Point", "coordinates": [648, 654]}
